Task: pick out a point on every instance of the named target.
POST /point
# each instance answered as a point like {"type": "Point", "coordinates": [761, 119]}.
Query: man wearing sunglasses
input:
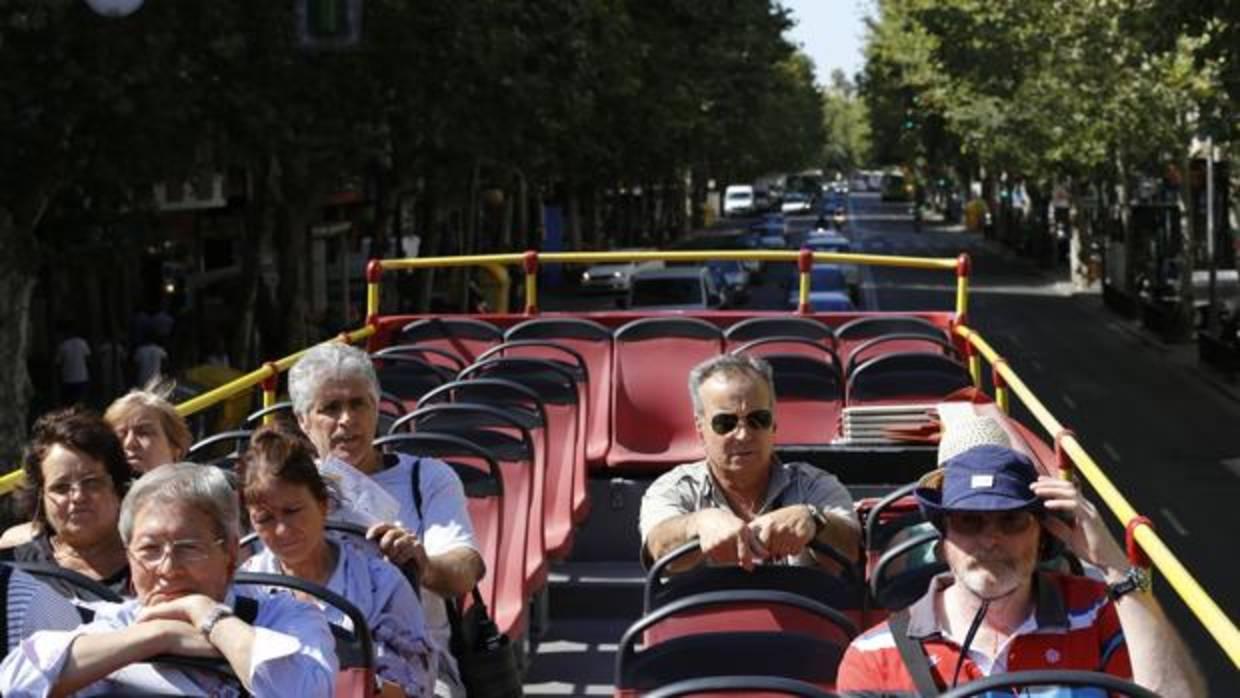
{"type": "Point", "coordinates": [742, 504]}
{"type": "Point", "coordinates": [995, 612]}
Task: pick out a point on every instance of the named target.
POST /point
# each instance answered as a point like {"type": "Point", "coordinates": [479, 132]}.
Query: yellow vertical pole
{"type": "Point", "coordinates": [374, 272]}
{"type": "Point", "coordinates": [963, 268]}
{"type": "Point", "coordinates": [531, 281]}
{"type": "Point", "coordinates": [1001, 389]}
{"type": "Point", "coordinates": [805, 264]}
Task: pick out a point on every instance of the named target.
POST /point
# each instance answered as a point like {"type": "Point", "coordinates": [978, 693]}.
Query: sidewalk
{"type": "Point", "coordinates": [1180, 354]}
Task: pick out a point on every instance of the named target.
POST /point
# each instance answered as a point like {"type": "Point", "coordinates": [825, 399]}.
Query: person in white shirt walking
{"type": "Point", "coordinates": [71, 357]}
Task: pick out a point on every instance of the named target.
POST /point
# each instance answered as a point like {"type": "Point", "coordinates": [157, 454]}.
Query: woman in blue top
{"type": "Point", "coordinates": [288, 502]}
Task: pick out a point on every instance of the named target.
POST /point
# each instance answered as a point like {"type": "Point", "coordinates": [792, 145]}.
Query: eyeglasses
{"type": "Point", "coordinates": [725, 423]}
{"type": "Point", "coordinates": [972, 523]}
{"type": "Point", "coordinates": [87, 486]}
{"type": "Point", "coordinates": [181, 552]}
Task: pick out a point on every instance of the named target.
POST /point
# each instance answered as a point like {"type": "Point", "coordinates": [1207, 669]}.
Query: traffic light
{"type": "Point", "coordinates": [329, 24]}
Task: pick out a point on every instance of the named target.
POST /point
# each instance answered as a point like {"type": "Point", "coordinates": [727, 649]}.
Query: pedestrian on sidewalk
{"type": "Point", "coordinates": [71, 357]}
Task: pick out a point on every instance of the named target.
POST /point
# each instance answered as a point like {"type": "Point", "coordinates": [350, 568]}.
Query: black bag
{"type": "Point", "coordinates": [485, 657]}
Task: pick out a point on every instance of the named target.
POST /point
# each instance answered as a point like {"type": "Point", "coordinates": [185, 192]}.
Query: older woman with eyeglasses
{"type": "Point", "coordinates": [75, 477]}
{"type": "Point", "coordinates": [180, 527]}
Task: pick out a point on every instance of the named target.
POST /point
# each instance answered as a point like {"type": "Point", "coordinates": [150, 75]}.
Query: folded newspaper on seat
{"type": "Point", "coordinates": [362, 500]}
{"type": "Point", "coordinates": [888, 425]}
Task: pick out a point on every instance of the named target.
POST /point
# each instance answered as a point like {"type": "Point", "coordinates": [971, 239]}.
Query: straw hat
{"type": "Point", "coordinates": [964, 434]}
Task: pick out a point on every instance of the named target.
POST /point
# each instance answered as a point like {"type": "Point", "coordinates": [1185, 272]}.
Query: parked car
{"type": "Point", "coordinates": [797, 202]}
{"type": "Point", "coordinates": [676, 288]}
{"type": "Point", "coordinates": [738, 200]}
{"type": "Point", "coordinates": [828, 288]}
{"type": "Point", "coordinates": [613, 278]}
{"type": "Point", "coordinates": [834, 242]}
{"type": "Point", "coordinates": [771, 232]}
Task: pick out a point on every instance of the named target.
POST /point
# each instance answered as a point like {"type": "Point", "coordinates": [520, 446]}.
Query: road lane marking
{"type": "Point", "coordinates": [1067, 400]}
{"type": "Point", "coordinates": [1175, 523]}
{"type": "Point", "coordinates": [1111, 451]}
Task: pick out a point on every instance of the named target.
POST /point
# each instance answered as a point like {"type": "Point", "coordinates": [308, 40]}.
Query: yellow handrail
{"type": "Point", "coordinates": [1211, 616]}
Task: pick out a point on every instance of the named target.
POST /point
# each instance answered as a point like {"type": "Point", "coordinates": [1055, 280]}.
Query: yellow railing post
{"type": "Point", "coordinates": [963, 268]}
{"type": "Point", "coordinates": [374, 273]}
{"type": "Point", "coordinates": [271, 385]}
{"type": "Point", "coordinates": [805, 265]}
{"type": "Point", "coordinates": [530, 262]}
{"type": "Point", "coordinates": [996, 376]}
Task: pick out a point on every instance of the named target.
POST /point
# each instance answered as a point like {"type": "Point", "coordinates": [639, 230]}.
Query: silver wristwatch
{"type": "Point", "coordinates": [820, 519]}
{"type": "Point", "coordinates": [1135, 579]}
{"type": "Point", "coordinates": [214, 616]}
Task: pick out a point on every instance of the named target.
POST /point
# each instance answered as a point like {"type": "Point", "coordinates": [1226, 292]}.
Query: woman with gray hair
{"type": "Point", "coordinates": [335, 395]}
{"type": "Point", "coordinates": [180, 526]}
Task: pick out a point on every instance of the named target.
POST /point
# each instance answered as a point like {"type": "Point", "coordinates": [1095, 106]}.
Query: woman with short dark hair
{"type": "Point", "coordinates": [76, 475]}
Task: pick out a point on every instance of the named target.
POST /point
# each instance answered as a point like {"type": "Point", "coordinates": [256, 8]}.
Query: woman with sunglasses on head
{"type": "Point", "coordinates": [288, 502]}
{"type": "Point", "coordinates": [180, 527]}
{"type": "Point", "coordinates": [75, 477]}
{"type": "Point", "coordinates": [742, 504]}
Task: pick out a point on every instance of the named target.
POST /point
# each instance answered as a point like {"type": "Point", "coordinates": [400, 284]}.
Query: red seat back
{"type": "Point", "coordinates": [462, 336]}
{"type": "Point", "coordinates": [652, 412]}
{"type": "Point", "coordinates": [592, 342]}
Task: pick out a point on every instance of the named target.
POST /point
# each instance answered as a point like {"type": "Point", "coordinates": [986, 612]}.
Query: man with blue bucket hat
{"type": "Point", "coordinates": [995, 611]}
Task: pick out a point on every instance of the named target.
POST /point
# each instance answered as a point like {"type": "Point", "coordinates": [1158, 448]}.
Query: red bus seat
{"type": "Point", "coordinates": [523, 404]}
{"type": "Point", "coordinates": [503, 436]}
{"type": "Point", "coordinates": [592, 342]}
{"type": "Point", "coordinates": [425, 352]}
{"type": "Point", "coordinates": [576, 365]}
{"type": "Point", "coordinates": [652, 413]}
{"type": "Point", "coordinates": [913, 377]}
{"type": "Point", "coordinates": [564, 483]}
{"type": "Point", "coordinates": [409, 378]}
{"type": "Point", "coordinates": [854, 332]}
{"type": "Point", "coordinates": [763, 327]}
{"type": "Point", "coordinates": [480, 475]}
{"type": "Point", "coordinates": [462, 336]}
{"type": "Point", "coordinates": [895, 343]}
{"type": "Point", "coordinates": [710, 634]}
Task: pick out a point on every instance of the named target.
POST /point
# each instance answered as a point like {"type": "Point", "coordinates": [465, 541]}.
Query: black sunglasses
{"type": "Point", "coordinates": [724, 422]}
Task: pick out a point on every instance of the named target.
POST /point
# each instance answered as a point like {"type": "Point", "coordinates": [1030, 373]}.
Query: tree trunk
{"type": "Point", "coordinates": [1188, 253]}
{"type": "Point", "coordinates": [17, 281]}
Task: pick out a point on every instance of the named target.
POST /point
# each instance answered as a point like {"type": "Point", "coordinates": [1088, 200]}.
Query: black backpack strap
{"type": "Point", "coordinates": [415, 478]}
{"type": "Point", "coordinates": [913, 654]}
{"type": "Point", "coordinates": [246, 609]}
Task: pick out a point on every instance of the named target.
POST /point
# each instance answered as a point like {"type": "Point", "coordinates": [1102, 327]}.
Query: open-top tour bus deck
{"type": "Point", "coordinates": [558, 421]}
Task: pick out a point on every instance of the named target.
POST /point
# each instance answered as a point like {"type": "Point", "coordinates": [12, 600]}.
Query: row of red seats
{"type": "Point", "coordinates": [635, 414]}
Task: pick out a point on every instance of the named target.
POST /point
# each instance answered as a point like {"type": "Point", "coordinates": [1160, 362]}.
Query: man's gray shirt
{"type": "Point", "coordinates": [690, 487]}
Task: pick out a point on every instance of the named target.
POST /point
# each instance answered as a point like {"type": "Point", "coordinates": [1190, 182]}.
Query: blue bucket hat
{"type": "Point", "coordinates": [983, 478]}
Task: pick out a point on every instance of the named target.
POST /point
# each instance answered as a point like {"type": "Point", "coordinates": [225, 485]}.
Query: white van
{"type": "Point", "coordinates": [738, 200]}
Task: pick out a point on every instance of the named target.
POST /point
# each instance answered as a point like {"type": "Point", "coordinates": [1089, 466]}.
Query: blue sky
{"type": "Point", "coordinates": [831, 32]}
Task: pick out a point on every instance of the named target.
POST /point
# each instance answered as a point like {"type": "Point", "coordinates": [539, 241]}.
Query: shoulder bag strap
{"type": "Point", "coordinates": [913, 654]}
{"type": "Point", "coordinates": [415, 477]}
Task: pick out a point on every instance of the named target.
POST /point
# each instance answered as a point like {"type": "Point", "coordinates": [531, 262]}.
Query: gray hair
{"type": "Point", "coordinates": [729, 364]}
{"type": "Point", "coordinates": [324, 362]}
{"type": "Point", "coordinates": [204, 487]}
